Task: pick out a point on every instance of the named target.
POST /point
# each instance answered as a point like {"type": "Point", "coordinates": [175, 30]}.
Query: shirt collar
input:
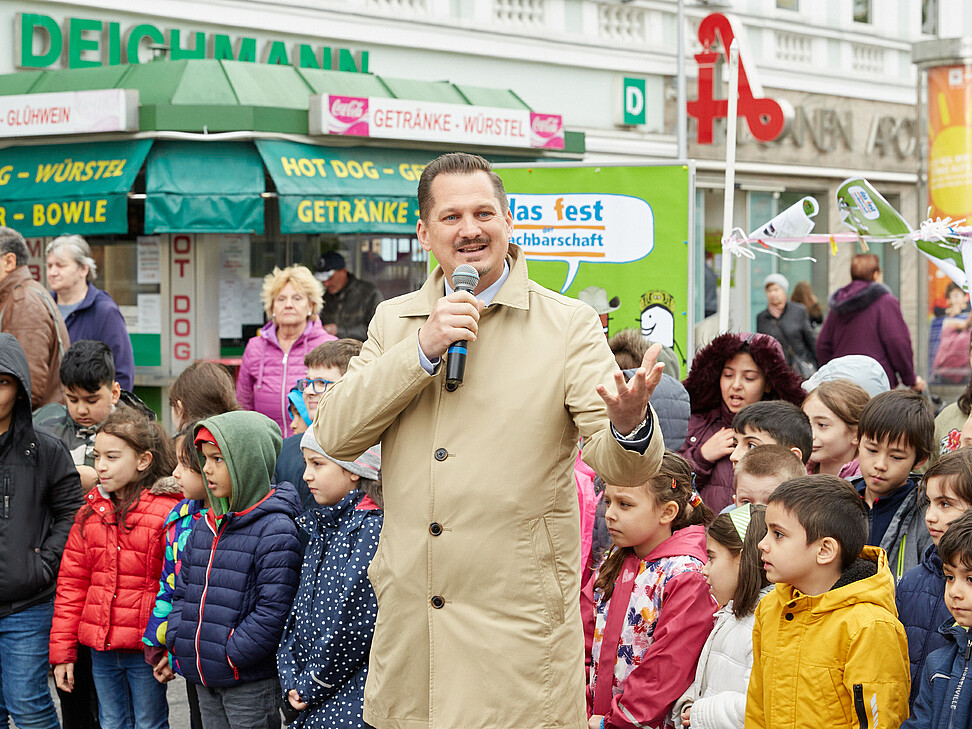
{"type": "Point", "coordinates": [486, 295]}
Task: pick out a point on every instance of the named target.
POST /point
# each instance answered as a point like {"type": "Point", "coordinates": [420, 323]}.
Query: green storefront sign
{"type": "Point", "coordinates": [40, 42]}
{"type": "Point", "coordinates": [80, 188]}
{"type": "Point", "coordinates": [344, 189]}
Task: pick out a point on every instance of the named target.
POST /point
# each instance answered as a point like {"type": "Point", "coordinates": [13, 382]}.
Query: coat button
{"type": "Point", "coordinates": [437, 602]}
{"type": "Point", "coordinates": [435, 529]}
{"type": "Point", "coordinates": [789, 616]}
{"type": "Point", "coordinates": [441, 454]}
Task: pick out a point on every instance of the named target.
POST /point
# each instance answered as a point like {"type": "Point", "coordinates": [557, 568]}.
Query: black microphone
{"type": "Point", "coordinates": [464, 278]}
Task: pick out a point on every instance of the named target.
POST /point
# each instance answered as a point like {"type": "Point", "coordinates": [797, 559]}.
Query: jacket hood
{"type": "Point", "coordinates": [250, 443]}
{"type": "Point", "coordinates": [857, 295]}
{"type": "Point", "coordinates": [186, 507]}
{"type": "Point", "coordinates": [867, 580]}
{"type": "Point", "coordinates": [315, 521]}
{"type": "Point", "coordinates": [13, 361]}
{"type": "Point", "coordinates": [688, 541]}
{"type": "Point", "coordinates": [954, 632]}
{"type": "Point", "coordinates": [702, 382]}
{"type": "Point", "coordinates": [269, 330]}
{"type": "Point", "coordinates": [932, 562]}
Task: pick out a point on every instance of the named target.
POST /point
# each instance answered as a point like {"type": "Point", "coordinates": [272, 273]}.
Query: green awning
{"type": "Point", "coordinates": [344, 189]}
{"type": "Point", "coordinates": [212, 187]}
{"type": "Point", "coordinates": [69, 188]}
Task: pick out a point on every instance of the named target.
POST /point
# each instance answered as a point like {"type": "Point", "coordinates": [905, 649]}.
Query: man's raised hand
{"type": "Point", "coordinates": [454, 317]}
{"type": "Point", "coordinates": [629, 407]}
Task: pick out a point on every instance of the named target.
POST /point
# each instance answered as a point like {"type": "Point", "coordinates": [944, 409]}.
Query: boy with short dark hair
{"type": "Point", "coordinates": [943, 698]}
{"type": "Point", "coordinates": [828, 650]}
{"type": "Point", "coordinates": [896, 433]}
{"type": "Point", "coordinates": [772, 421]}
{"type": "Point", "coordinates": [88, 376]}
{"type": "Point", "coordinates": [239, 572]}
{"type": "Point", "coordinates": [326, 364]}
{"type": "Point", "coordinates": [762, 469]}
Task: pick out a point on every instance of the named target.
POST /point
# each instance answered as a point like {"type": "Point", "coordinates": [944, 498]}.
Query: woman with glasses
{"type": "Point", "coordinates": [273, 360]}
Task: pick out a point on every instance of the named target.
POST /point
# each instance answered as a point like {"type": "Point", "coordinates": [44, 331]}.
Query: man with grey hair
{"type": "Point", "coordinates": [28, 312]}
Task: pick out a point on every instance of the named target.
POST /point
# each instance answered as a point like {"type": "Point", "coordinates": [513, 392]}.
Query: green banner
{"type": "Point", "coordinates": [354, 214]}
{"type": "Point", "coordinates": [623, 230]}
{"type": "Point", "coordinates": [305, 169]}
{"type": "Point", "coordinates": [69, 188]}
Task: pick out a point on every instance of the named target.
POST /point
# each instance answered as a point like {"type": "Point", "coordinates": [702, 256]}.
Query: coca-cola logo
{"type": "Point", "coordinates": [546, 124]}
{"type": "Point", "coordinates": [348, 107]}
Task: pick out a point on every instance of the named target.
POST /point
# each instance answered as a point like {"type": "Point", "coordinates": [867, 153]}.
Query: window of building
{"type": "Point", "coordinates": [862, 11]}
{"type": "Point", "coordinates": [929, 17]}
{"type": "Point", "coordinates": [788, 4]}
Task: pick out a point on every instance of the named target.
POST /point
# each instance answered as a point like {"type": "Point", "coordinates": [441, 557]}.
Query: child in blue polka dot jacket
{"type": "Point", "coordinates": [323, 655]}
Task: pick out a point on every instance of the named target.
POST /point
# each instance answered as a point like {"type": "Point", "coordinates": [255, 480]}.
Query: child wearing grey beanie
{"type": "Point", "coordinates": [367, 466]}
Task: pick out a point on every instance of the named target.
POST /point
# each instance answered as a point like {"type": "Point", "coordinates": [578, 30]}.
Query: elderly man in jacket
{"type": "Point", "coordinates": [478, 569]}
{"type": "Point", "coordinates": [29, 313]}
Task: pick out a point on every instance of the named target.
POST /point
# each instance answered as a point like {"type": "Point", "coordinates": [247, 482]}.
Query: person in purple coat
{"type": "Point", "coordinates": [865, 318]}
{"type": "Point", "coordinates": [89, 312]}
{"type": "Point", "coordinates": [273, 360]}
{"type": "Point", "coordinates": [734, 370]}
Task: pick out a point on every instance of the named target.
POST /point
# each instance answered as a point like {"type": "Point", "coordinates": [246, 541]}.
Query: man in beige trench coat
{"type": "Point", "coordinates": [478, 569]}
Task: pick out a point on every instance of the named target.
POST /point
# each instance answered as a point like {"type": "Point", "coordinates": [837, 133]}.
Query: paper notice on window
{"type": "Point", "coordinates": [252, 305]}
{"type": "Point", "coordinates": [230, 309]}
{"type": "Point", "coordinates": [130, 314]}
{"type": "Point", "coordinates": [234, 257]}
{"type": "Point", "coordinates": [149, 314]}
{"type": "Point", "coordinates": [149, 259]}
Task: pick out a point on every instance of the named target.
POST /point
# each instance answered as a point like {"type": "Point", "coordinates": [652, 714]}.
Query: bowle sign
{"type": "Point", "coordinates": [766, 117]}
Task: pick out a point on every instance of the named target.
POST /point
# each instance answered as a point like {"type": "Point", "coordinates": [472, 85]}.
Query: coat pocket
{"type": "Point", "coordinates": [545, 560]}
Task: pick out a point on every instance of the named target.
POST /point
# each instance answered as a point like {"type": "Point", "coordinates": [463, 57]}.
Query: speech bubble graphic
{"type": "Point", "coordinates": [582, 227]}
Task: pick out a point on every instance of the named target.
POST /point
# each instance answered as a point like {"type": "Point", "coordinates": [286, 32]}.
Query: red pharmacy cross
{"type": "Point", "coordinates": [764, 115]}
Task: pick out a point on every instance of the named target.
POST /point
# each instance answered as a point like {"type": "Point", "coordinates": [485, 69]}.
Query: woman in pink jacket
{"type": "Point", "coordinates": [273, 360]}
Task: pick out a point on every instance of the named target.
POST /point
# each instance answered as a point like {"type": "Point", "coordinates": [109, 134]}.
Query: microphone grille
{"type": "Point", "coordinates": [465, 278]}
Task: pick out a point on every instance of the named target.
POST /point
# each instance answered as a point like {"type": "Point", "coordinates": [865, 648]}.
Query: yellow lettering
{"type": "Point", "coordinates": [5, 174]}
{"type": "Point", "coordinates": [53, 214]}
{"type": "Point", "coordinates": [320, 215]}
{"type": "Point", "coordinates": [331, 204]}
{"type": "Point", "coordinates": [344, 211]}
{"type": "Point", "coordinates": [87, 212]}
{"type": "Point", "coordinates": [354, 167]}
{"type": "Point", "coordinates": [75, 173]}
{"type": "Point", "coordinates": [38, 215]}
{"type": "Point", "coordinates": [88, 171]}
{"type": "Point", "coordinates": [403, 212]}
{"type": "Point", "coordinates": [306, 168]}
{"type": "Point", "coordinates": [3, 216]}
{"type": "Point", "coordinates": [304, 214]}
{"type": "Point", "coordinates": [405, 170]}
{"type": "Point", "coordinates": [120, 167]}
{"type": "Point", "coordinates": [374, 211]}
{"type": "Point", "coordinates": [340, 169]}
{"type": "Point", "coordinates": [290, 167]}
{"type": "Point", "coordinates": [62, 167]}
{"type": "Point", "coordinates": [44, 172]}
{"type": "Point", "coordinates": [370, 171]}
{"type": "Point", "coordinates": [101, 214]}
{"type": "Point", "coordinates": [390, 211]}
{"type": "Point", "coordinates": [102, 165]}
{"type": "Point", "coordinates": [319, 164]}
{"type": "Point", "coordinates": [72, 212]}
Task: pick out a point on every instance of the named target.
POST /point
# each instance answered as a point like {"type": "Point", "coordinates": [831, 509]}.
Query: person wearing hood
{"type": "Point", "coordinates": [240, 570]}
{"type": "Point", "coordinates": [41, 494]}
{"type": "Point", "coordinates": [866, 319]}
{"type": "Point", "coordinates": [828, 649]}
{"type": "Point", "coordinates": [732, 371]}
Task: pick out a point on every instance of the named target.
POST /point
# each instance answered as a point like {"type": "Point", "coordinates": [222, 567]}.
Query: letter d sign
{"type": "Point", "coordinates": [634, 101]}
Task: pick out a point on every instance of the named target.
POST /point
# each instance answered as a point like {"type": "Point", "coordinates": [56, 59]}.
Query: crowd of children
{"type": "Point", "coordinates": [239, 561]}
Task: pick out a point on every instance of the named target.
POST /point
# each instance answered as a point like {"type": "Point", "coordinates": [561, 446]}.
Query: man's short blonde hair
{"type": "Point", "coordinates": [298, 276]}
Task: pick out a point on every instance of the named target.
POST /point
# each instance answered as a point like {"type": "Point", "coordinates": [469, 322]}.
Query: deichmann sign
{"type": "Point", "coordinates": [434, 122]}
{"type": "Point", "coordinates": [40, 42]}
{"type": "Point", "coordinates": [69, 112]}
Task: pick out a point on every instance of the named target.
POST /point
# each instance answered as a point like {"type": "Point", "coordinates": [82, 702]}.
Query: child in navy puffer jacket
{"type": "Point", "coordinates": [323, 656]}
{"type": "Point", "coordinates": [944, 694]}
{"type": "Point", "coordinates": [240, 569]}
{"type": "Point", "coordinates": [920, 596]}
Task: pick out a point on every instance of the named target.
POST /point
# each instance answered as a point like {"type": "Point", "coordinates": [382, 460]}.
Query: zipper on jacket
{"type": "Point", "coordinates": [236, 673]}
{"type": "Point", "coordinates": [202, 603]}
{"type": "Point", "coordinates": [284, 392]}
{"type": "Point", "coordinates": [953, 705]}
{"type": "Point", "coordinates": [859, 705]}
{"type": "Point", "coordinates": [6, 494]}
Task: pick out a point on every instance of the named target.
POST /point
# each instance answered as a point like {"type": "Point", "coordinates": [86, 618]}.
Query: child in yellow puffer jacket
{"type": "Point", "coordinates": [828, 649]}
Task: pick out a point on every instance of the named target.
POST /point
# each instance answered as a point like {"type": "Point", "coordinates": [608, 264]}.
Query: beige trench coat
{"type": "Point", "coordinates": [478, 568]}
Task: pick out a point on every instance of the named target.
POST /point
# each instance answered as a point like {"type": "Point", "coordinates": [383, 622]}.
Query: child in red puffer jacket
{"type": "Point", "coordinates": [110, 571]}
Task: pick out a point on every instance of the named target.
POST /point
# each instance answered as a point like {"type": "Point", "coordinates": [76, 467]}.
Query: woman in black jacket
{"type": "Point", "coordinates": [788, 322]}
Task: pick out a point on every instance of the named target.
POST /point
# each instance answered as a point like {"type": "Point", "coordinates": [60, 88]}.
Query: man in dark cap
{"type": "Point", "coordinates": [349, 302]}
